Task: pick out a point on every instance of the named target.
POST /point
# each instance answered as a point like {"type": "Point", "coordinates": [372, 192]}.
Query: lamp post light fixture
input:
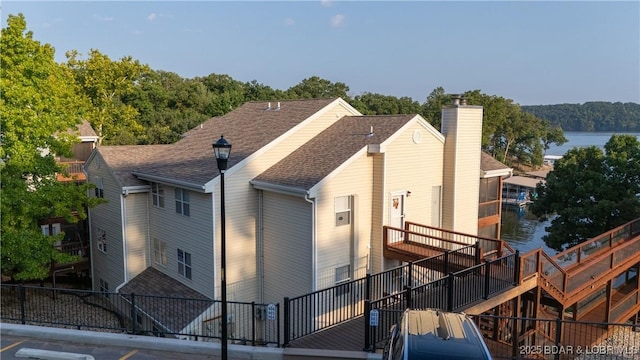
{"type": "Point", "coordinates": [222, 150]}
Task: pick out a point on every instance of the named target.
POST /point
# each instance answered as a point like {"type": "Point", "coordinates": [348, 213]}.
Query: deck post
{"type": "Point", "coordinates": [607, 308]}
{"type": "Point", "coordinates": [559, 332]}
{"type": "Point", "coordinates": [367, 329]}
{"type": "Point", "coordinates": [487, 278]}
{"type": "Point", "coordinates": [517, 279]}
{"type": "Point", "coordinates": [133, 314]}
{"type": "Point", "coordinates": [287, 323]}
{"type": "Point", "coordinates": [450, 283]}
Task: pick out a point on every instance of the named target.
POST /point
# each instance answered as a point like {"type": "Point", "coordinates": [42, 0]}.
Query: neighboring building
{"type": "Point", "coordinates": [309, 186]}
{"type": "Point", "coordinates": [76, 238]}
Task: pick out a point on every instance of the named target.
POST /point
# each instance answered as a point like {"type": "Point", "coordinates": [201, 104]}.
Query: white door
{"type": "Point", "coordinates": [396, 210]}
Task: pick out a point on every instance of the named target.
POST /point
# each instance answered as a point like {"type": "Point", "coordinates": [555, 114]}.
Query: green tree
{"type": "Point", "coordinates": [105, 83]}
{"type": "Point", "coordinates": [591, 191]}
{"type": "Point", "coordinates": [432, 107]}
{"type": "Point", "coordinates": [39, 104]}
{"type": "Point", "coordinates": [315, 87]}
{"type": "Point", "coordinates": [378, 104]}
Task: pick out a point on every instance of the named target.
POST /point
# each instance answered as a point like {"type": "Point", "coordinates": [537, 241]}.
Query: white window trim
{"type": "Point", "coordinates": [159, 252]}
{"type": "Point", "coordinates": [183, 200]}
{"type": "Point", "coordinates": [183, 265]}
{"type": "Point", "coordinates": [157, 195]}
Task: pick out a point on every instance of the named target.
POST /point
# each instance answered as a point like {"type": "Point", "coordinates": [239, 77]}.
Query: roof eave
{"type": "Point", "coordinates": [496, 173]}
{"type": "Point", "coordinates": [167, 181]}
{"type": "Point", "coordinates": [280, 189]}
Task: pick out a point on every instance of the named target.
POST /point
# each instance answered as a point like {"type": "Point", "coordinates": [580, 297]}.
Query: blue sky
{"type": "Point", "coordinates": [533, 52]}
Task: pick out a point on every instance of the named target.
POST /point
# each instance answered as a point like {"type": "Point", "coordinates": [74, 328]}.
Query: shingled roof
{"type": "Point", "coordinates": [316, 159]}
{"type": "Point", "coordinates": [248, 128]}
{"type": "Point", "coordinates": [489, 164]}
{"type": "Point", "coordinates": [124, 159]}
{"type": "Point", "coordinates": [159, 296]}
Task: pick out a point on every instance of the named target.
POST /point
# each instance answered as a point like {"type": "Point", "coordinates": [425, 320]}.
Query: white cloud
{"type": "Point", "coordinates": [137, 32]}
{"type": "Point", "coordinates": [289, 21]}
{"type": "Point", "coordinates": [103, 18]}
{"type": "Point", "coordinates": [152, 16]}
{"type": "Point", "coordinates": [337, 20]}
{"type": "Point", "coordinates": [326, 3]}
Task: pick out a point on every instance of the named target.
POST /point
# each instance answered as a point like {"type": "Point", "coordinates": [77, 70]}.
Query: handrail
{"type": "Point", "coordinates": [545, 273]}
{"type": "Point", "coordinates": [608, 237]}
{"type": "Point", "coordinates": [409, 232]}
{"type": "Point", "coordinates": [497, 243]}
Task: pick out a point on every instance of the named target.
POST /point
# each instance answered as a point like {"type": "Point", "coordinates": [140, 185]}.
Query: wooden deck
{"type": "Point", "coordinates": [599, 262]}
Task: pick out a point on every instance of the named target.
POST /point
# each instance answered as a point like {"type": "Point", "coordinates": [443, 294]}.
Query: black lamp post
{"type": "Point", "coordinates": [222, 149]}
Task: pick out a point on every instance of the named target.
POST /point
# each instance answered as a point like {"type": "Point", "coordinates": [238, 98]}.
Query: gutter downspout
{"type": "Point", "coordinates": [123, 206]}
{"type": "Point", "coordinates": [93, 278]}
{"type": "Point", "coordinates": [314, 239]}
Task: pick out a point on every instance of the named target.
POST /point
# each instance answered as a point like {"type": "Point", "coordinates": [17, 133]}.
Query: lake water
{"type": "Point", "coordinates": [521, 229]}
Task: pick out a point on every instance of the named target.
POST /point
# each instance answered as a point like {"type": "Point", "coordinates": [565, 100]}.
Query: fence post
{"type": "Point", "coordinates": [516, 271]}
{"type": "Point", "coordinates": [446, 262]}
{"type": "Point", "coordinates": [487, 279]}
{"type": "Point", "coordinates": [287, 329]}
{"type": "Point", "coordinates": [253, 322]}
{"type": "Point", "coordinates": [22, 297]}
{"type": "Point", "coordinates": [450, 292]}
{"type": "Point", "coordinates": [558, 336]}
{"type": "Point", "coordinates": [278, 324]}
{"type": "Point", "coordinates": [133, 314]}
{"type": "Point", "coordinates": [367, 329]}
{"type": "Point", "coordinates": [367, 287]}
{"type": "Point", "coordinates": [478, 254]}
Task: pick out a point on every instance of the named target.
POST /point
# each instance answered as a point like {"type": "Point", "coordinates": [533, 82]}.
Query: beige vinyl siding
{"type": "Point", "coordinates": [242, 204]}
{"type": "Point", "coordinates": [416, 168]}
{"type": "Point", "coordinates": [192, 234]}
{"type": "Point", "coordinates": [338, 246]}
{"type": "Point", "coordinates": [108, 217]}
{"type": "Point", "coordinates": [287, 246]}
{"type": "Point", "coordinates": [462, 127]}
{"type": "Point", "coordinates": [377, 213]}
{"type": "Point", "coordinates": [137, 233]}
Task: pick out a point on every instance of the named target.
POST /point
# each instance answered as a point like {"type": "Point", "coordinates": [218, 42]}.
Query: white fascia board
{"type": "Point", "coordinates": [136, 189]}
{"type": "Point", "coordinates": [496, 173]}
{"type": "Point", "coordinates": [281, 189]}
{"type": "Point", "coordinates": [163, 180]}
{"type": "Point", "coordinates": [313, 192]}
{"type": "Point", "coordinates": [208, 187]}
{"type": "Point", "coordinates": [416, 119]}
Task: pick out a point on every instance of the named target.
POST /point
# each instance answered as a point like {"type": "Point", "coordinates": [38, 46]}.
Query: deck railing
{"type": "Point", "coordinates": [487, 245]}
{"type": "Point", "coordinates": [310, 313]}
{"type": "Point", "coordinates": [455, 292]}
{"type": "Point", "coordinates": [569, 273]}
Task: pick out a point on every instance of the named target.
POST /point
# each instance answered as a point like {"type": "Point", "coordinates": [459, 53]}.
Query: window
{"type": "Point", "coordinates": [343, 275]}
{"type": "Point", "coordinates": [182, 202]}
{"type": "Point", "coordinates": [104, 286]}
{"type": "Point", "coordinates": [159, 252]}
{"type": "Point", "coordinates": [102, 240]}
{"type": "Point", "coordinates": [343, 210]}
{"type": "Point", "coordinates": [53, 229]}
{"type": "Point", "coordinates": [157, 194]}
{"type": "Point", "coordinates": [184, 263]}
{"type": "Point", "coordinates": [99, 187]}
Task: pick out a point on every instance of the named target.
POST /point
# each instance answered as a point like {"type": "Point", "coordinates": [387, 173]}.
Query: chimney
{"type": "Point", "coordinates": [462, 129]}
{"type": "Point", "coordinates": [268, 106]}
{"type": "Point", "coordinates": [278, 108]}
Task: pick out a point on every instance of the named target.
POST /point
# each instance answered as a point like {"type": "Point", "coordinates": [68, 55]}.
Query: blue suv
{"type": "Point", "coordinates": [435, 334]}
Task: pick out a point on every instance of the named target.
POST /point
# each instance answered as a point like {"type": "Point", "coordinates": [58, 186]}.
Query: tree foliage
{"type": "Point", "coordinates": [590, 116]}
{"type": "Point", "coordinates": [105, 82]}
{"type": "Point", "coordinates": [39, 104]}
{"type": "Point", "coordinates": [591, 191]}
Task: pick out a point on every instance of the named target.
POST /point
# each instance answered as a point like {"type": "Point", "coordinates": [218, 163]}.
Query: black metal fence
{"type": "Point", "coordinates": [194, 319]}
{"type": "Point", "coordinates": [309, 313]}
{"type": "Point", "coordinates": [471, 285]}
